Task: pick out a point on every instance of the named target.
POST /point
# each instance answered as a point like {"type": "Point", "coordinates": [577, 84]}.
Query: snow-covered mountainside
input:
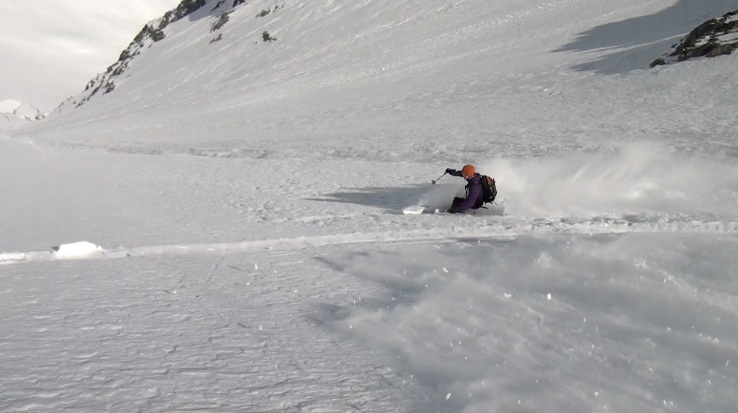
{"type": "Point", "coordinates": [714, 37]}
{"type": "Point", "coordinates": [223, 229]}
{"type": "Point", "coordinates": [152, 32]}
{"type": "Point", "coordinates": [456, 60]}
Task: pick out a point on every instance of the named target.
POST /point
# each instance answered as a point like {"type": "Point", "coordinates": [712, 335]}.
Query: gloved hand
{"type": "Point", "coordinates": [449, 170]}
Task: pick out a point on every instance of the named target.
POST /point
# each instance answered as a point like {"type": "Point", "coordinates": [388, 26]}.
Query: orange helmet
{"type": "Point", "coordinates": [467, 171]}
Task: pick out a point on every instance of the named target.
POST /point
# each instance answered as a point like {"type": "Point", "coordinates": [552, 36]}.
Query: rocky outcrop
{"type": "Point", "coordinates": [715, 37]}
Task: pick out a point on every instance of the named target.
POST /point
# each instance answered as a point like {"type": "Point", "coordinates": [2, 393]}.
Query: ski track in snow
{"type": "Point", "coordinates": [537, 226]}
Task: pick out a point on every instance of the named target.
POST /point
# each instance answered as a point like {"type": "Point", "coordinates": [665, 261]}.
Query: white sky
{"type": "Point", "coordinates": [247, 198]}
{"type": "Point", "coordinates": [51, 49]}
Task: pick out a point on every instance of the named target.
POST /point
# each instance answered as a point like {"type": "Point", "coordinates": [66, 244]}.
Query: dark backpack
{"type": "Point", "coordinates": [489, 189]}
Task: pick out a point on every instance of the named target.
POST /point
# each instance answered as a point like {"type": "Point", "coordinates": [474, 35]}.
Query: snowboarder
{"type": "Point", "coordinates": [474, 194]}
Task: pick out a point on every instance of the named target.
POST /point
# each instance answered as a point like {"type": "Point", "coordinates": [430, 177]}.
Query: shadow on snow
{"type": "Point", "coordinates": [391, 199]}
{"type": "Point", "coordinates": [644, 38]}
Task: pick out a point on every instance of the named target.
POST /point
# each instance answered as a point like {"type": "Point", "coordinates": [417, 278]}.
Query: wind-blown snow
{"type": "Point", "coordinates": [247, 198]}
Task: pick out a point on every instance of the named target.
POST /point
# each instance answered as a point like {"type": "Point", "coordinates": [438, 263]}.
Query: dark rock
{"type": "Point", "coordinates": [658, 62]}
{"type": "Point", "coordinates": [268, 37]}
{"type": "Point", "coordinates": [715, 37]}
{"type": "Point", "coordinates": [220, 3]}
{"type": "Point", "coordinates": [224, 18]}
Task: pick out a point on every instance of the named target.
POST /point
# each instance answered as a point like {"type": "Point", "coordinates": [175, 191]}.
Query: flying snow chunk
{"type": "Point", "coordinates": [413, 210]}
{"type": "Point", "coordinates": [11, 257]}
{"type": "Point", "coordinates": [76, 250]}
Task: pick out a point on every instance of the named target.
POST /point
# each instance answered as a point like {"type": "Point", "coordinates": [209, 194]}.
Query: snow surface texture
{"type": "Point", "coordinates": [247, 198]}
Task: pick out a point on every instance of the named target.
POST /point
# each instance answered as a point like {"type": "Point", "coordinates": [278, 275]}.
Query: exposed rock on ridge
{"type": "Point", "coordinates": [715, 37]}
{"type": "Point", "coordinates": [151, 33]}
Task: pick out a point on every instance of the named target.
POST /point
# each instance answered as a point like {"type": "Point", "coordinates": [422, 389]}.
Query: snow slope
{"type": "Point", "coordinates": [247, 198]}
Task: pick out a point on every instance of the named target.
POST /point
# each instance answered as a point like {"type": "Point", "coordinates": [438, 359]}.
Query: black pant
{"type": "Point", "coordinates": [457, 201]}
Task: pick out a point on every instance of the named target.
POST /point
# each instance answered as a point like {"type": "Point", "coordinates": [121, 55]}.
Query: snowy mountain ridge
{"type": "Point", "coordinates": [152, 32]}
{"type": "Point", "coordinates": [12, 110]}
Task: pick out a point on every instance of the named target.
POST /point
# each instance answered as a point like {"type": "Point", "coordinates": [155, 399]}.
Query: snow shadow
{"type": "Point", "coordinates": [638, 41]}
{"type": "Point", "coordinates": [394, 199]}
{"type": "Point", "coordinates": [210, 8]}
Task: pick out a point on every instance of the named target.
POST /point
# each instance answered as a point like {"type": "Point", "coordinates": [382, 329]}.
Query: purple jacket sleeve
{"type": "Point", "coordinates": [454, 172]}
{"type": "Point", "coordinates": [475, 192]}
